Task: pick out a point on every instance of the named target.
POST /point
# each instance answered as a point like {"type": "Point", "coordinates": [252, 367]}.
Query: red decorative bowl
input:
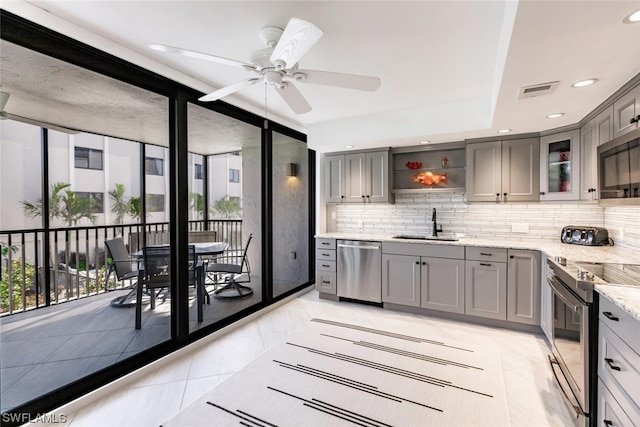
{"type": "Point", "coordinates": [413, 165]}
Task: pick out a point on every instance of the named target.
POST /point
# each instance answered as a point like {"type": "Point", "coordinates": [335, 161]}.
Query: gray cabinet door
{"type": "Point", "coordinates": [521, 170]}
{"type": "Point", "coordinates": [334, 179]}
{"type": "Point", "coordinates": [377, 176]}
{"type": "Point", "coordinates": [546, 301]}
{"type": "Point", "coordinates": [484, 171]}
{"type": "Point", "coordinates": [625, 112]}
{"type": "Point", "coordinates": [523, 287]}
{"type": "Point", "coordinates": [355, 185]}
{"type": "Point", "coordinates": [326, 282]}
{"type": "Point", "coordinates": [442, 284]}
{"type": "Point", "coordinates": [401, 279]}
{"type": "Point", "coordinates": [588, 158]}
{"type": "Point", "coordinates": [486, 289]}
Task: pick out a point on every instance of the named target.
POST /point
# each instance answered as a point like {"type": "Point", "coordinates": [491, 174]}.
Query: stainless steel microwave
{"type": "Point", "coordinates": [619, 170]}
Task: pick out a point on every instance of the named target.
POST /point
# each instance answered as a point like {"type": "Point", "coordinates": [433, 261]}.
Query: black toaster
{"type": "Point", "coordinates": [584, 235]}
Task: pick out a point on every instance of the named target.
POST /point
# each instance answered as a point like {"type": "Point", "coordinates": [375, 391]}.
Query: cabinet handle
{"type": "Point", "coordinates": [610, 316]}
{"type": "Point", "coordinates": [611, 365]}
{"type": "Point", "coordinates": [505, 197]}
{"type": "Point", "coordinates": [486, 264]}
{"type": "Point", "coordinates": [368, 196]}
{"type": "Point", "coordinates": [607, 422]}
{"type": "Point", "coordinates": [497, 197]}
{"type": "Point", "coordinates": [424, 263]}
{"type": "Point", "coordinates": [633, 120]}
{"type": "Point", "coordinates": [511, 256]}
{"type": "Point", "coordinates": [326, 243]}
{"type": "Point", "coordinates": [326, 281]}
{"type": "Point", "coordinates": [482, 253]}
{"type": "Point", "coordinates": [342, 197]}
{"type": "Point", "coordinates": [417, 262]}
{"type": "Point", "coordinates": [326, 255]}
{"type": "Point", "coordinates": [542, 193]}
{"type": "Point", "coordinates": [325, 265]}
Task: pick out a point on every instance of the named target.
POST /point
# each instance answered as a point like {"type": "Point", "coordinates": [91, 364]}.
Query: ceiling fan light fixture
{"type": "Point", "coordinates": [633, 18]}
{"type": "Point", "coordinates": [585, 82]}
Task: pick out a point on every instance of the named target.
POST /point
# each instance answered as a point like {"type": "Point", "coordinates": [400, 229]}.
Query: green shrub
{"type": "Point", "coordinates": [17, 283]}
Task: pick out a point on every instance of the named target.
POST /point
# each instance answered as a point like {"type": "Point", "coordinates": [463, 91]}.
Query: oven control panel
{"type": "Point", "coordinates": [588, 236]}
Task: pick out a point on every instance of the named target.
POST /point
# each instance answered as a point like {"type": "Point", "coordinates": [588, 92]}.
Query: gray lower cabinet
{"type": "Point", "coordinates": [618, 366]}
{"type": "Point", "coordinates": [486, 289]}
{"type": "Point", "coordinates": [523, 287]}
{"type": "Point", "coordinates": [442, 284]}
{"type": "Point", "coordinates": [401, 279]}
{"type": "Point", "coordinates": [326, 279]}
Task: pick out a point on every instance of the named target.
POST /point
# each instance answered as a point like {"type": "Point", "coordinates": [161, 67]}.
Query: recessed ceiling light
{"type": "Point", "coordinates": [585, 82]}
{"type": "Point", "coordinates": [348, 146]}
{"type": "Point", "coordinates": [634, 18]}
{"type": "Point", "coordinates": [504, 131]}
{"type": "Point", "coordinates": [555, 115]}
{"type": "Point", "coordinates": [425, 142]}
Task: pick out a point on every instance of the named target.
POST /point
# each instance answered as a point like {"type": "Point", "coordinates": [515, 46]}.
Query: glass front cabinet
{"type": "Point", "coordinates": [560, 166]}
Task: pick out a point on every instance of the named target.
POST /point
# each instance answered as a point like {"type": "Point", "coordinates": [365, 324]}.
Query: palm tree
{"type": "Point", "coordinates": [119, 206]}
{"type": "Point", "coordinates": [196, 202]}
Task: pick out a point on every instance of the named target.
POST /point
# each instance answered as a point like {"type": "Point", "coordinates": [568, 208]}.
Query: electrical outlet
{"type": "Point", "coordinates": [520, 227]}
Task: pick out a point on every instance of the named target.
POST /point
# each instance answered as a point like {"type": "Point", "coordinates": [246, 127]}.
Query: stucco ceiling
{"type": "Point", "coordinates": [450, 69]}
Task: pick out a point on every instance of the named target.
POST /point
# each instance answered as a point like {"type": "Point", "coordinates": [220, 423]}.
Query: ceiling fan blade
{"type": "Point", "coordinates": [4, 115]}
{"type": "Point", "coordinates": [200, 55]}
{"type": "Point", "coordinates": [296, 40]}
{"type": "Point", "coordinates": [228, 90]}
{"type": "Point", "coordinates": [292, 96]}
{"type": "Point", "coordinates": [327, 78]}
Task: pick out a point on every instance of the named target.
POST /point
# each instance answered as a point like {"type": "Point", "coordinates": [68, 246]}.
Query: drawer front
{"type": "Point", "coordinates": [326, 282]}
{"type": "Point", "coordinates": [476, 253]}
{"type": "Point", "coordinates": [620, 322]}
{"type": "Point", "coordinates": [619, 363]}
{"type": "Point", "coordinates": [325, 255]}
{"type": "Point", "coordinates": [326, 243]}
{"type": "Point", "coordinates": [326, 265]}
{"type": "Point", "coordinates": [614, 409]}
{"type": "Point", "coordinates": [423, 249]}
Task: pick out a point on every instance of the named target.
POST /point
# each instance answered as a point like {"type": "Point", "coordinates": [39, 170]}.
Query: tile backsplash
{"type": "Point", "coordinates": [411, 214]}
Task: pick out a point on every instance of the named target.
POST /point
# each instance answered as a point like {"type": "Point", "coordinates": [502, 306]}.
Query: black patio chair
{"type": "Point", "coordinates": [124, 266]}
{"type": "Point", "coordinates": [229, 268]}
{"type": "Point", "coordinates": [156, 275]}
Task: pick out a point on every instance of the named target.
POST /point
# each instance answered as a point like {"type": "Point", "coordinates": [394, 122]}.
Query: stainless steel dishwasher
{"type": "Point", "coordinates": [360, 270]}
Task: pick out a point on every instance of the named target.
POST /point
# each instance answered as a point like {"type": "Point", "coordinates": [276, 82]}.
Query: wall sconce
{"type": "Point", "coordinates": [292, 169]}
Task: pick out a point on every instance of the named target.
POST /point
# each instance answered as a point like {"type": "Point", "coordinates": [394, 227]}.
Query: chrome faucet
{"type": "Point", "coordinates": [436, 229]}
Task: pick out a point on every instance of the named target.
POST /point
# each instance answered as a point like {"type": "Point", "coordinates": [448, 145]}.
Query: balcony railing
{"type": "Point", "coordinates": [75, 261]}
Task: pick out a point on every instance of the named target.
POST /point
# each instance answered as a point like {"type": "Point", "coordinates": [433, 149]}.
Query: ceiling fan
{"type": "Point", "coordinates": [277, 65]}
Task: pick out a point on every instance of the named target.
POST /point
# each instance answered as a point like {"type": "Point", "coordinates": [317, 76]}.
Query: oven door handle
{"type": "Point", "coordinates": [576, 408]}
{"type": "Point", "coordinates": [564, 295]}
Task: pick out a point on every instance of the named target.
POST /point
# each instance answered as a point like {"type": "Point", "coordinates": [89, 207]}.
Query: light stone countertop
{"type": "Point", "coordinates": [625, 297]}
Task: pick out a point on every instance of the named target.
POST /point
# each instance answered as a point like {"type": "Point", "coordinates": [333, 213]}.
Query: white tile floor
{"type": "Point", "coordinates": [532, 396]}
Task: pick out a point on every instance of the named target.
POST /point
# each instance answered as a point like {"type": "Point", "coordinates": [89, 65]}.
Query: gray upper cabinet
{"type": "Point", "coordinates": [596, 132]}
{"type": "Point", "coordinates": [334, 179]}
{"type": "Point", "coordinates": [357, 177]}
{"type": "Point", "coordinates": [626, 112]}
{"type": "Point", "coordinates": [503, 171]}
{"type": "Point", "coordinates": [442, 284]}
{"type": "Point", "coordinates": [560, 166]}
{"type": "Point", "coordinates": [603, 126]}
{"type": "Point", "coordinates": [367, 177]}
{"type": "Point", "coordinates": [523, 287]}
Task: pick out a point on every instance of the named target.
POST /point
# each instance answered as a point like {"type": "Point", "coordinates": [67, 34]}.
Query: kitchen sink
{"type": "Point", "coordinates": [420, 237]}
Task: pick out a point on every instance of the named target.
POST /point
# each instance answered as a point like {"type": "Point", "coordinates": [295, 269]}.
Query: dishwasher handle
{"type": "Point", "coordinates": [375, 248]}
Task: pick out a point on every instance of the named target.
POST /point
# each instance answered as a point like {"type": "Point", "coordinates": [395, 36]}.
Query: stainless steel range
{"type": "Point", "coordinates": [575, 334]}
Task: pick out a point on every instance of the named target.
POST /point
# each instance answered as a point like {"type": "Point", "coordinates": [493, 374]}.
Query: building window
{"type": "Point", "coordinates": [88, 158]}
{"type": "Point", "coordinates": [198, 171]}
{"type": "Point", "coordinates": [95, 201]}
{"type": "Point", "coordinates": [155, 202]}
{"type": "Point", "coordinates": [234, 175]}
{"type": "Point", "coordinates": [154, 166]}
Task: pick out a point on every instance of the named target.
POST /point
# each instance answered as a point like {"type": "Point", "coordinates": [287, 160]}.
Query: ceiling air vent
{"type": "Point", "coordinates": [537, 90]}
